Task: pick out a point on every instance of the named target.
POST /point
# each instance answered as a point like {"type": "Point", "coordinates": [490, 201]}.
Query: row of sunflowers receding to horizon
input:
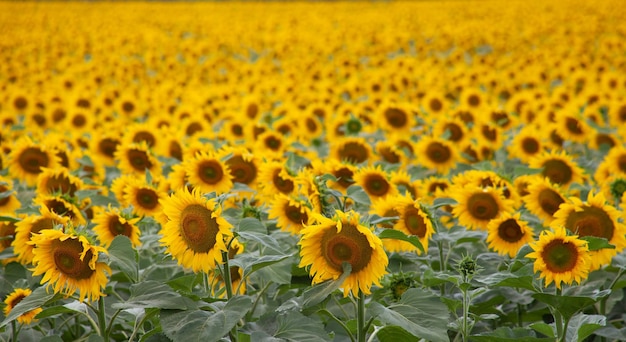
{"type": "Point", "coordinates": [349, 171]}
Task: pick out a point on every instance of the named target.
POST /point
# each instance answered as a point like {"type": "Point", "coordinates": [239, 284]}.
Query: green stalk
{"type": "Point", "coordinates": [229, 289]}
{"type": "Point", "coordinates": [102, 322]}
{"type": "Point", "coordinates": [14, 331]}
{"type": "Point", "coordinates": [465, 325]}
{"type": "Point", "coordinates": [442, 266]}
{"type": "Point", "coordinates": [360, 318]}
{"type": "Point", "coordinates": [558, 320]}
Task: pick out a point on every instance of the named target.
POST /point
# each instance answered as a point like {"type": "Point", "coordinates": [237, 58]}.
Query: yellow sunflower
{"type": "Point", "coordinates": [7, 234]}
{"type": "Point", "coordinates": [390, 153]}
{"type": "Point", "coordinates": [508, 233]}
{"type": "Point", "coordinates": [142, 132]}
{"type": "Point", "coordinates": [291, 214]}
{"type": "Point", "coordinates": [275, 179]}
{"type": "Point", "coordinates": [13, 299]}
{"type": "Point", "coordinates": [272, 144]}
{"type": "Point", "coordinates": [30, 226]}
{"type": "Point", "coordinates": [344, 172]}
{"type": "Point", "coordinates": [61, 206]}
{"type": "Point", "coordinates": [559, 167]}
{"type": "Point", "coordinates": [111, 223]}
{"type": "Point", "coordinates": [8, 202]}
{"type": "Point", "coordinates": [145, 198]}
{"type": "Point", "coordinates": [415, 220]}
{"type": "Point", "coordinates": [195, 230]}
{"type": "Point", "coordinates": [207, 173]}
{"type": "Point", "coordinates": [526, 144]}
{"type": "Point", "coordinates": [135, 159]}
{"type": "Point", "coordinates": [328, 243]}
{"type": "Point", "coordinates": [593, 218]}
{"type": "Point", "coordinates": [354, 150]}
{"type": "Point", "coordinates": [436, 153]}
{"type": "Point", "coordinates": [58, 181]}
{"type": "Point", "coordinates": [104, 143]}
{"type": "Point", "coordinates": [387, 207]}
{"type": "Point", "coordinates": [27, 159]}
{"type": "Point", "coordinates": [402, 181]}
{"type": "Point", "coordinates": [375, 182]}
{"type": "Point", "coordinates": [396, 117]}
{"type": "Point", "coordinates": [613, 163]}
{"type": "Point", "coordinates": [119, 187]}
{"type": "Point", "coordinates": [243, 165]}
{"type": "Point", "coordinates": [69, 263]}
{"type": "Point", "coordinates": [572, 126]}
{"type": "Point", "coordinates": [560, 258]}
{"type": "Point", "coordinates": [543, 198]}
{"type": "Point", "coordinates": [477, 206]}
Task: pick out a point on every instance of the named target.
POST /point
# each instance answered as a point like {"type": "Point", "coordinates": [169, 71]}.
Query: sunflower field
{"type": "Point", "coordinates": [313, 171]}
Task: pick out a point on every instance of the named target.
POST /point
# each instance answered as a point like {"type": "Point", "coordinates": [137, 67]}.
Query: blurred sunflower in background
{"type": "Point", "coordinates": [291, 214]}
{"type": "Point", "coordinates": [13, 299]}
{"type": "Point", "coordinates": [375, 182]}
{"type": "Point", "coordinates": [477, 206]}
{"type": "Point", "coordinates": [208, 173]}
{"type": "Point", "coordinates": [543, 198]}
{"type": "Point", "coordinates": [30, 226]}
{"type": "Point", "coordinates": [111, 222]}
{"type": "Point", "coordinates": [27, 160]}
{"type": "Point", "coordinates": [436, 153]}
{"type": "Point", "coordinates": [559, 167]}
{"type": "Point", "coordinates": [508, 233]}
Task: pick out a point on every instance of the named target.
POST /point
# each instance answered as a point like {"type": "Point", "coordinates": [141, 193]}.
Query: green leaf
{"type": "Point", "coordinates": [316, 294]}
{"type": "Point", "coordinates": [252, 225]}
{"type": "Point", "coordinates": [263, 239]}
{"type": "Point", "coordinates": [442, 202]}
{"type": "Point", "coordinates": [95, 338]}
{"type": "Point", "coordinates": [508, 279]}
{"type": "Point", "coordinates": [200, 325]}
{"type": "Point", "coordinates": [358, 195]}
{"type": "Point", "coordinates": [8, 219]}
{"type": "Point", "coordinates": [124, 257]}
{"type": "Point", "coordinates": [153, 294]}
{"type": "Point", "coordinates": [521, 170]}
{"type": "Point", "coordinates": [53, 311]}
{"type": "Point", "coordinates": [543, 328]}
{"type": "Point", "coordinates": [581, 326]}
{"type": "Point", "coordinates": [392, 333]}
{"type": "Point", "coordinates": [51, 339]}
{"type": "Point", "coordinates": [595, 243]}
{"type": "Point", "coordinates": [279, 272]}
{"type": "Point", "coordinates": [38, 298]}
{"type": "Point", "coordinates": [418, 312]}
{"type": "Point", "coordinates": [398, 235]}
{"type": "Point", "coordinates": [508, 334]}
{"type": "Point", "coordinates": [289, 326]}
{"type": "Point", "coordinates": [568, 306]}
{"type": "Point", "coordinates": [251, 262]}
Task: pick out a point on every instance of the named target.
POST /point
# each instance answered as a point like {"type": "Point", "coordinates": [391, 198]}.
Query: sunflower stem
{"type": "Point", "coordinates": [361, 331]}
{"type": "Point", "coordinates": [442, 266]}
{"type": "Point", "coordinates": [229, 288]}
{"type": "Point", "coordinates": [14, 331]}
{"type": "Point", "coordinates": [102, 321]}
{"type": "Point", "coordinates": [558, 320]}
{"type": "Point", "coordinates": [340, 322]}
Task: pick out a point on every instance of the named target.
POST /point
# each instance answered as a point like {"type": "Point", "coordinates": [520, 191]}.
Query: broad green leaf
{"type": "Point", "coordinates": [251, 225]}
{"type": "Point", "coordinates": [418, 312]}
{"type": "Point", "coordinates": [263, 239]}
{"type": "Point", "coordinates": [124, 257]}
{"type": "Point", "coordinates": [508, 334]}
{"type": "Point", "coordinates": [393, 333]}
{"type": "Point", "coordinates": [358, 195]}
{"type": "Point", "coordinates": [289, 326]}
{"type": "Point", "coordinates": [442, 202]}
{"type": "Point", "coordinates": [595, 243]}
{"type": "Point", "coordinates": [185, 283]}
{"type": "Point", "coordinates": [279, 272]}
{"type": "Point", "coordinates": [95, 338]}
{"type": "Point", "coordinates": [55, 310]}
{"type": "Point", "coordinates": [568, 306]}
{"type": "Point", "coordinates": [522, 170]}
{"type": "Point", "coordinates": [11, 219]}
{"type": "Point", "coordinates": [200, 325]}
{"type": "Point", "coordinates": [51, 339]}
{"type": "Point", "coordinates": [543, 328]}
{"type": "Point", "coordinates": [508, 279]}
{"type": "Point", "coordinates": [611, 332]}
{"type": "Point", "coordinates": [581, 326]}
{"type": "Point", "coordinates": [398, 235]}
{"type": "Point", "coordinates": [153, 294]}
{"type": "Point", "coordinates": [37, 299]}
{"type": "Point", "coordinates": [317, 293]}
{"type": "Point", "coordinates": [251, 262]}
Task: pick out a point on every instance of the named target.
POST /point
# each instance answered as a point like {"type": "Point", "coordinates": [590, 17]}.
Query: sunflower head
{"type": "Point", "coordinates": [112, 222]}
{"type": "Point", "coordinates": [208, 173]}
{"type": "Point", "coordinates": [476, 206]}
{"type": "Point", "coordinates": [508, 233]}
{"type": "Point", "coordinates": [375, 182]}
{"type": "Point", "coordinates": [354, 150]}
{"type": "Point", "coordinates": [13, 299]}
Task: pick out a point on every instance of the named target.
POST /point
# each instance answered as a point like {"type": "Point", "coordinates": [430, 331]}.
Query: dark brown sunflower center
{"type": "Point", "coordinates": [176, 151]}
{"type": "Point", "coordinates": [147, 198]}
{"type": "Point", "coordinates": [58, 115]}
{"type": "Point", "coordinates": [296, 216]}
{"type": "Point", "coordinates": [242, 171]}
{"type": "Point", "coordinates": [483, 206]}
{"type": "Point", "coordinates": [32, 159]}
{"type": "Point", "coordinates": [530, 145]}
{"type": "Point", "coordinates": [311, 125]}
{"type": "Point", "coordinates": [456, 132]}
{"type": "Point", "coordinates": [549, 201]}
{"type": "Point", "coordinates": [59, 207]}
{"type": "Point", "coordinates": [16, 301]}
{"type": "Point", "coordinates": [61, 184]}
{"type": "Point", "coordinates": [389, 155]}
{"type": "Point", "coordinates": [4, 201]}
{"type": "Point", "coordinates": [591, 221]}
{"type": "Point", "coordinates": [198, 228]}
{"type": "Point", "coordinates": [490, 133]}
{"type": "Point", "coordinates": [283, 185]}
{"type": "Point", "coordinates": [353, 152]}
{"type": "Point", "coordinates": [557, 171]}
{"type": "Point", "coordinates": [252, 110]}
{"type": "Point", "coordinates": [118, 228]}
{"type": "Point", "coordinates": [79, 121]}
{"type": "Point", "coordinates": [7, 233]}
{"type": "Point", "coordinates": [344, 177]}
{"type": "Point", "coordinates": [67, 259]}
{"type": "Point", "coordinates": [437, 185]}
{"type": "Point", "coordinates": [573, 126]}
{"type": "Point", "coordinates": [510, 231]}
{"type": "Point", "coordinates": [144, 136]}
{"type": "Point", "coordinates": [605, 139]}
{"type": "Point", "coordinates": [20, 103]}
{"type": "Point", "coordinates": [621, 163]}
{"type": "Point", "coordinates": [435, 105]}
{"type": "Point", "coordinates": [210, 172]}
{"type": "Point", "coordinates": [438, 152]}
{"type": "Point", "coordinates": [41, 224]}
{"type": "Point", "coordinates": [414, 222]}
{"type": "Point", "coordinates": [193, 128]}
{"type": "Point", "coordinates": [622, 113]}
{"type": "Point", "coordinates": [128, 106]}
{"type": "Point", "coordinates": [108, 146]}
{"type": "Point", "coordinates": [139, 160]}
{"type": "Point", "coordinates": [349, 246]}
{"type": "Point", "coordinates": [273, 143]}
{"type": "Point", "coordinates": [396, 118]}
{"type": "Point", "coordinates": [473, 100]}
{"type": "Point", "coordinates": [560, 256]}
{"type": "Point", "coordinates": [376, 185]}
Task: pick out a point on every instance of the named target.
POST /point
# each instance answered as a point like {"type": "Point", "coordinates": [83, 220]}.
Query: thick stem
{"type": "Point", "coordinates": [442, 265]}
{"type": "Point", "coordinates": [558, 320]}
{"type": "Point", "coordinates": [102, 322]}
{"type": "Point", "coordinates": [360, 318]}
{"type": "Point", "coordinates": [229, 289]}
{"type": "Point", "coordinates": [465, 326]}
{"type": "Point", "coordinates": [14, 331]}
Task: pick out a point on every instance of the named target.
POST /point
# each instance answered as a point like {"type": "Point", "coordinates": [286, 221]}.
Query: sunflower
{"type": "Point", "coordinates": [30, 226]}
{"type": "Point", "coordinates": [309, 126]}
{"type": "Point", "coordinates": [387, 207]}
{"type": "Point", "coordinates": [119, 186]}
{"type": "Point", "coordinates": [434, 187]}
{"type": "Point", "coordinates": [142, 132]}
{"type": "Point", "coordinates": [145, 198]}
{"type": "Point", "coordinates": [58, 181]}
{"type": "Point", "coordinates": [390, 153]}
{"type": "Point", "coordinates": [593, 218]}
{"type": "Point", "coordinates": [354, 150]}
{"type": "Point", "coordinates": [452, 129]}
{"type": "Point", "coordinates": [613, 163]}
{"type": "Point", "coordinates": [8, 200]}
{"type": "Point", "coordinates": [415, 220]}
{"type": "Point", "coordinates": [559, 167]}
{"type": "Point", "coordinates": [344, 172]}
{"type": "Point", "coordinates": [543, 198]}
{"type": "Point", "coordinates": [328, 243]}
{"type": "Point", "coordinates": [291, 214]}
{"type": "Point", "coordinates": [437, 153]}
{"type": "Point", "coordinates": [206, 172]}
{"type": "Point", "coordinates": [236, 274]}
{"type": "Point", "coordinates": [572, 126]}
{"type": "Point", "coordinates": [402, 181]}
{"type": "Point", "coordinates": [560, 258]}
{"type": "Point", "coordinates": [243, 166]}
{"type": "Point", "coordinates": [7, 234]}
{"type": "Point", "coordinates": [111, 223]}
{"type": "Point", "coordinates": [477, 206]}
{"type": "Point", "coordinates": [526, 144]}
{"type": "Point", "coordinates": [13, 299]}
{"type": "Point", "coordinates": [104, 143]}
{"type": "Point", "coordinates": [396, 118]}
{"type": "Point", "coordinates": [27, 159]}
{"type": "Point", "coordinates": [195, 230]}
{"type": "Point", "coordinates": [487, 179]}
{"type": "Point", "coordinates": [375, 182]}
{"type": "Point", "coordinates": [62, 206]}
{"type": "Point", "coordinates": [272, 144]}
{"type": "Point", "coordinates": [135, 159]}
{"type": "Point", "coordinates": [69, 263]}
{"type": "Point", "coordinates": [508, 233]}
{"type": "Point", "coordinates": [274, 179]}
